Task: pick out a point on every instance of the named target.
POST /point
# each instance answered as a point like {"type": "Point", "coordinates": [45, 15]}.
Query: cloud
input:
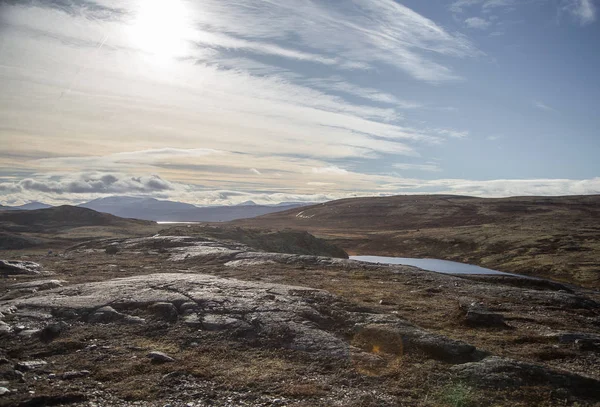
{"type": "Point", "coordinates": [452, 133]}
{"type": "Point", "coordinates": [90, 183]}
{"type": "Point", "coordinates": [477, 23]}
{"type": "Point", "coordinates": [584, 11]}
{"type": "Point", "coordinates": [418, 167]}
{"type": "Point", "coordinates": [543, 106]}
{"type": "Point", "coordinates": [332, 170]}
{"type": "Point", "coordinates": [362, 31]}
{"type": "Point", "coordinates": [338, 84]}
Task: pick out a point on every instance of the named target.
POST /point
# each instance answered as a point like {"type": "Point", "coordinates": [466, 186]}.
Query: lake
{"type": "Point", "coordinates": [439, 266]}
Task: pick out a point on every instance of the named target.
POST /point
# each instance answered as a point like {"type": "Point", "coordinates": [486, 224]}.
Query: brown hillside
{"type": "Point", "coordinates": [555, 237]}
{"type": "Point", "coordinates": [42, 227]}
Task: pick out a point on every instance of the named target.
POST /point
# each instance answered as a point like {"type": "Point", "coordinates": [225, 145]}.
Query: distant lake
{"type": "Point", "coordinates": [439, 266]}
{"type": "Point", "coordinates": [163, 222]}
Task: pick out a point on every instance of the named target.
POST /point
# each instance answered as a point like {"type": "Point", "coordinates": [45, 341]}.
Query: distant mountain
{"type": "Point", "coordinates": [247, 203]}
{"type": "Point", "coordinates": [170, 211]}
{"type": "Point", "coordinates": [31, 206]}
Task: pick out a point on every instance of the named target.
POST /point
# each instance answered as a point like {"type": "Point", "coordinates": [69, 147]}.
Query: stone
{"type": "Point", "coordinates": [5, 329]}
{"type": "Point", "coordinates": [53, 331]}
{"type": "Point", "coordinates": [299, 318]}
{"type": "Point", "coordinates": [165, 310]}
{"type": "Point", "coordinates": [133, 320]}
{"type": "Point", "coordinates": [160, 357]}
{"type": "Point", "coordinates": [111, 250]}
{"type": "Point", "coordinates": [188, 307]}
{"type": "Point", "coordinates": [76, 374]}
{"type": "Point", "coordinates": [105, 315]}
{"type": "Point", "coordinates": [38, 285]}
{"type": "Point", "coordinates": [477, 315]}
{"type": "Point", "coordinates": [496, 372]}
{"type": "Point", "coordinates": [26, 366]}
{"type": "Point", "coordinates": [192, 320]}
{"type": "Point", "coordinates": [3, 391]}
{"type": "Point", "coordinates": [588, 345]}
{"type": "Point", "coordinates": [15, 267]}
{"type": "Point", "coordinates": [213, 322]}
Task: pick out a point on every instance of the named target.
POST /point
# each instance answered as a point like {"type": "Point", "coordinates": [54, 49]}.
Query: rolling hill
{"type": "Point", "coordinates": [64, 224]}
{"type": "Point", "coordinates": [555, 237]}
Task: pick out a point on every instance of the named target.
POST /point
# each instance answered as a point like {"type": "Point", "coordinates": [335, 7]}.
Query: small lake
{"type": "Point", "coordinates": [165, 222]}
{"type": "Point", "coordinates": [439, 266]}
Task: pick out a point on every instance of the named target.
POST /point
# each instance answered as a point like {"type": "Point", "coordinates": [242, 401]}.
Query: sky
{"type": "Point", "coordinates": [218, 102]}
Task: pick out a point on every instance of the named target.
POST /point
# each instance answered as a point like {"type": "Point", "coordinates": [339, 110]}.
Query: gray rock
{"type": "Point", "coordinates": [38, 285]}
{"type": "Point", "coordinates": [477, 315]}
{"type": "Point", "coordinates": [5, 329]}
{"type": "Point", "coordinates": [133, 320]}
{"type": "Point", "coordinates": [192, 320]}
{"type": "Point", "coordinates": [26, 366]}
{"type": "Point", "coordinates": [165, 310]}
{"type": "Point", "coordinates": [3, 391]}
{"type": "Point", "coordinates": [401, 337]}
{"type": "Point", "coordinates": [188, 307]}
{"type": "Point", "coordinates": [76, 374]}
{"type": "Point", "coordinates": [15, 267]}
{"type": "Point", "coordinates": [160, 357]}
{"type": "Point", "coordinates": [53, 331]}
{"type": "Point", "coordinates": [497, 372]}
{"type": "Point", "coordinates": [105, 315]}
{"type": "Point", "coordinates": [572, 337]}
{"type": "Point", "coordinates": [300, 318]}
{"type": "Point", "coordinates": [213, 322]}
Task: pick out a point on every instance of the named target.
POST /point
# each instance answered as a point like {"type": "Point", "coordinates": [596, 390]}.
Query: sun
{"type": "Point", "coordinates": [161, 28]}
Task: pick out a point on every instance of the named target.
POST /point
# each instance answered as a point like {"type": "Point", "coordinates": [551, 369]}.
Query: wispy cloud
{"type": "Point", "coordinates": [543, 106]}
{"type": "Point", "coordinates": [477, 23]}
{"type": "Point", "coordinates": [330, 170]}
{"type": "Point", "coordinates": [583, 11]}
{"type": "Point", "coordinates": [418, 167]}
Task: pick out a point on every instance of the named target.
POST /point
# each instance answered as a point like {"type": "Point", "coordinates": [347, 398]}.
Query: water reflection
{"type": "Point", "coordinates": [439, 266]}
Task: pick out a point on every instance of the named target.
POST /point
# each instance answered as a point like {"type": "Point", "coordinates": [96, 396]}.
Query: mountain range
{"type": "Point", "coordinates": [170, 211]}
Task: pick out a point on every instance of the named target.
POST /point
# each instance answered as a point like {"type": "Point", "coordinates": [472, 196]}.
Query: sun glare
{"type": "Point", "coordinates": [161, 28]}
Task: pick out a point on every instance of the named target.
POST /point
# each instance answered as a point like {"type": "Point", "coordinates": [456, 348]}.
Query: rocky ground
{"type": "Point", "coordinates": [176, 320]}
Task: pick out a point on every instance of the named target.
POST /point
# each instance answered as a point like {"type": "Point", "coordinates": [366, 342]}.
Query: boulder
{"type": "Point", "coordinates": [105, 315]}
{"type": "Point", "coordinates": [15, 267]}
{"type": "Point", "coordinates": [477, 315]}
{"type": "Point", "coordinates": [30, 365]}
{"type": "Point", "coordinates": [497, 372]}
{"type": "Point", "coordinates": [165, 310]}
{"type": "Point", "coordinates": [160, 357]}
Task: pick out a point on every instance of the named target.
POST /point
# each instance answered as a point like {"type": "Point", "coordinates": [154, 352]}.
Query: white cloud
{"type": "Point", "coordinates": [418, 167]}
{"type": "Point", "coordinates": [361, 31]}
{"type": "Point", "coordinates": [330, 170]}
{"type": "Point", "coordinates": [583, 11]}
{"type": "Point", "coordinates": [338, 84]}
{"type": "Point", "coordinates": [477, 23]}
{"type": "Point", "coordinates": [89, 183]}
{"type": "Point", "coordinates": [543, 106]}
{"type": "Point", "coordinates": [320, 184]}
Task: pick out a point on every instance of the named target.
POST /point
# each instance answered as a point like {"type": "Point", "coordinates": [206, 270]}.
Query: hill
{"type": "Point", "coordinates": [555, 237]}
{"type": "Point", "coordinates": [170, 211]}
{"type": "Point", "coordinates": [26, 207]}
{"type": "Point", "coordinates": [29, 228]}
